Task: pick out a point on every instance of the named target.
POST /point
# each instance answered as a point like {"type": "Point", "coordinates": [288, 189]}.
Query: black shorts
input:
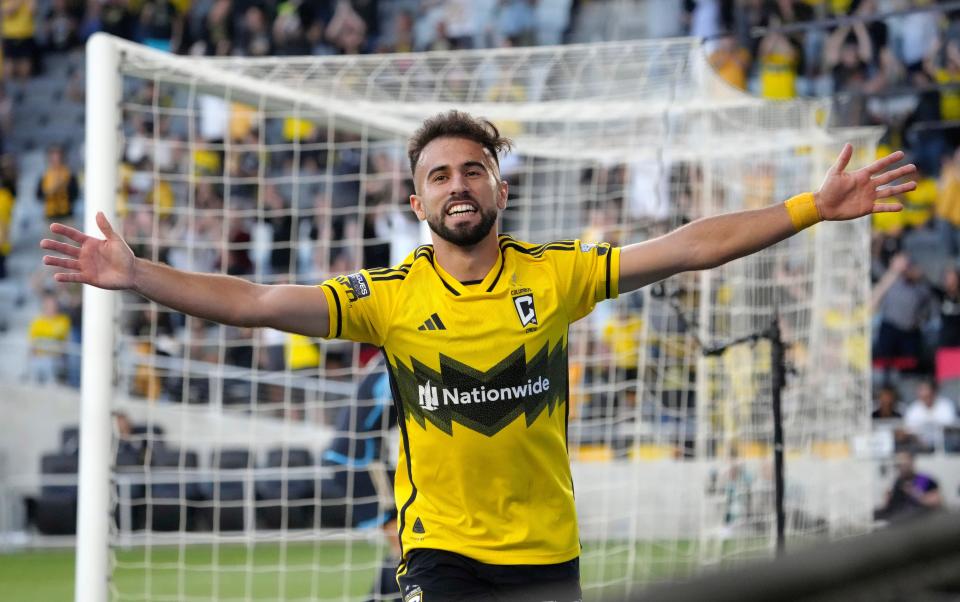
{"type": "Point", "coordinates": [440, 576]}
{"type": "Point", "coordinates": [18, 48]}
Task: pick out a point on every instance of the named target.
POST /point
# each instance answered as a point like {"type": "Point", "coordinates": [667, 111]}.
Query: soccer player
{"type": "Point", "coordinates": [474, 332]}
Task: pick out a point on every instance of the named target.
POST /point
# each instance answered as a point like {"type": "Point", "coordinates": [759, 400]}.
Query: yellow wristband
{"type": "Point", "coordinates": [803, 210]}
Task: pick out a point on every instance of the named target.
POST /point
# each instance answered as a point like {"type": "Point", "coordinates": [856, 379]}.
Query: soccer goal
{"type": "Point", "coordinates": [256, 465]}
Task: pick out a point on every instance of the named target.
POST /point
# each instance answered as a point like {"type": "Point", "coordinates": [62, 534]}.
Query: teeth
{"type": "Point", "coordinates": [462, 208]}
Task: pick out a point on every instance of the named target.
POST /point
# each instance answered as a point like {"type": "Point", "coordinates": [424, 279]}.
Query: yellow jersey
{"type": "Point", "coordinates": [6, 219]}
{"type": "Point", "coordinates": [778, 77]}
{"type": "Point", "coordinates": [478, 373]}
{"type": "Point", "coordinates": [19, 24]}
{"type": "Point", "coordinates": [48, 333]}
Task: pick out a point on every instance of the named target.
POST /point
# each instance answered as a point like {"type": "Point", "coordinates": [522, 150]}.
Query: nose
{"type": "Point", "coordinates": [458, 183]}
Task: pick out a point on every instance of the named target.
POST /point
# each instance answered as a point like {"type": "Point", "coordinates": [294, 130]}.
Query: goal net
{"type": "Point", "coordinates": [259, 464]}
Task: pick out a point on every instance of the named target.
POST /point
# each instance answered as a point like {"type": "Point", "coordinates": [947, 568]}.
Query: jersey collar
{"type": "Point", "coordinates": [487, 285]}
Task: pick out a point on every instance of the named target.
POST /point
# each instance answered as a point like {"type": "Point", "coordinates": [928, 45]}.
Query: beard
{"type": "Point", "coordinates": [465, 235]}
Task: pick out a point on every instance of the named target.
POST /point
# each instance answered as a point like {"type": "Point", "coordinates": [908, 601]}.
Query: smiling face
{"type": "Point", "coordinates": [458, 190]}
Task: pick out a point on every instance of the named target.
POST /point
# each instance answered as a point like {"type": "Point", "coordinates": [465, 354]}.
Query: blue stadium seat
{"type": "Point", "coordinates": [228, 492]}
{"type": "Point", "coordinates": [171, 505]}
{"type": "Point", "coordinates": [56, 508]}
{"type": "Point", "coordinates": [293, 507]}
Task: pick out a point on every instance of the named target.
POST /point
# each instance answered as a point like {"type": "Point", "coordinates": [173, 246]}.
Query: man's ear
{"type": "Point", "coordinates": [503, 190]}
{"type": "Point", "coordinates": [417, 207]}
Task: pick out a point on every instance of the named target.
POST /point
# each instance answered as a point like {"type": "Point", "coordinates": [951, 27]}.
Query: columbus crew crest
{"type": "Point", "coordinates": [525, 310]}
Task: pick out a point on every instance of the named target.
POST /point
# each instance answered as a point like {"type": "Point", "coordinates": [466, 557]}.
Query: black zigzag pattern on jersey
{"type": "Point", "coordinates": [512, 380]}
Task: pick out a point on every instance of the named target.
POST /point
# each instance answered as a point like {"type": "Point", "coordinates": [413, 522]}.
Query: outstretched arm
{"type": "Point", "coordinates": [713, 241]}
{"type": "Point", "coordinates": [110, 264]}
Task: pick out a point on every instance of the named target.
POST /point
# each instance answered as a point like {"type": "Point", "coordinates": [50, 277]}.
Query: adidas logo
{"type": "Point", "coordinates": [432, 323]}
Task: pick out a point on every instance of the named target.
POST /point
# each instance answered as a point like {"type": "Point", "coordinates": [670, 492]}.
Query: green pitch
{"type": "Point", "coordinates": [297, 571]}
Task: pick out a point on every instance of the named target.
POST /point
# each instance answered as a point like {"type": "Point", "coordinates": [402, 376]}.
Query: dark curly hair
{"type": "Point", "coordinates": [457, 124]}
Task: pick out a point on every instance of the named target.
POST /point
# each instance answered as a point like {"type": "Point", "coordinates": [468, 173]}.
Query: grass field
{"type": "Point", "coordinates": [297, 571]}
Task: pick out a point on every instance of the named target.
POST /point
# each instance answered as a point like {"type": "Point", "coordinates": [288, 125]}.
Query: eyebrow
{"type": "Point", "coordinates": [446, 167]}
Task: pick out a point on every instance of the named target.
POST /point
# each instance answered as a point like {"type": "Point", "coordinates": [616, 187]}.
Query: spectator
{"type": "Point", "coordinates": [58, 187]}
{"type": "Point", "coordinates": [91, 22]}
{"type": "Point", "coordinates": [402, 39]}
{"type": "Point", "coordinates": [948, 298]}
{"type": "Point", "coordinates": [887, 400]}
{"type": "Point", "coordinates": [253, 37]}
{"type": "Point", "coordinates": [927, 142]}
{"type": "Point", "coordinates": [943, 67]}
{"type": "Point", "coordinates": [160, 26]}
{"type": "Point", "coordinates": [6, 115]}
{"type": "Point", "coordinates": [125, 438]}
{"type": "Point", "coordinates": [291, 28]}
{"type": "Point", "coordinates": [928, 414]}
{"type": "Point", "coordinates": [281, 221]}
{"type": "Point", "coordinates": [48, 335]}
{"type": "Point", "coordinates": [846, 57]}
{"type": "Point", "coordinates": [913, 493]}
{"type": "Point", "coordinates": [947, 205]}
{"type": "Point", "coordinates": [778, 66]}
{"type": "Point", "coordinates": [8, 191]}
{"type": "Point", "coordinates": [117, 19]}
{"type": "Point", "coordinates": [18, 30]}
{"type": "Point", "coordinates": [902, 299]}
{"type": "Point", "coordinates": [731, 61]}
{"type": "Point", "coordinates": [235, 259]}
{"type": "Point", "coordinates": [216, 32]}
{"type": "Point", "coordinates": [514, 23]}
{"type": "Point", "coordinates": [347, 30]}
{"type": "Point", "coordinates": [60, 28]}
{"type": "Point", "coordinates": [917, 34]}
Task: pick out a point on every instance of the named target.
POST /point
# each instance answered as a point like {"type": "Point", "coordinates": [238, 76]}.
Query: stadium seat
{"type": "Point", "coordinates": [294, 496]}
{"type": "Point", "coordinates": [130, 495]}
{"type": "Point", "coordinates": [56, 508]}
{"type": "Point", "coordinates": [227, 496]}
{"type": "Point", "coordinates": [172, 501]}
{"type": "Point", "coordinates": [147, 437]}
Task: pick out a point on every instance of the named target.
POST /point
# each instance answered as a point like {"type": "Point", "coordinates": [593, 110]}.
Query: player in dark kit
{"type": "Point", "coordinates": [474, 332]}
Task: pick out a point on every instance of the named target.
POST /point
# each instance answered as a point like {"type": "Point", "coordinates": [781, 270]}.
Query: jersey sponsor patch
{"type": "Point", "coordinates": [483, 401]}
{"type": "Point", "coordinates": [359, 285]}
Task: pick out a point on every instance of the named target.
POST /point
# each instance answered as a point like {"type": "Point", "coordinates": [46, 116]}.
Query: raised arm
{"type": "Point", "coordinates": [713, 241]}
{"type": "Point", "coordinates": [110, 264]}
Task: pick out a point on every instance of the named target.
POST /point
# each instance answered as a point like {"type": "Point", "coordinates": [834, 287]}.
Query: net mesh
{"type": "Point", "coordinates": [265, 459]}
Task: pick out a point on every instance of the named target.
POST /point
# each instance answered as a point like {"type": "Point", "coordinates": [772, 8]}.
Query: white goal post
{"type": "Point", "coordinates": [292, 169]}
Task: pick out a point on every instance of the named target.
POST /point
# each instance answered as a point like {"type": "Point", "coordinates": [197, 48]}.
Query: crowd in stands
{"type": "Point", "coordinates": [891, 63]}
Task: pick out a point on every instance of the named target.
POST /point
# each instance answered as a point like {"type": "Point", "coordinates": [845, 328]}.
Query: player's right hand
{"type": "Point", "coordinates": [107, 263]}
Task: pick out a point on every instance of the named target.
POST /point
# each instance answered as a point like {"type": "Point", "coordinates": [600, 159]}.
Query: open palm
{"type": "Point", "coordinates": [105, 263]}
{"type": "Point", "coordinates": [848, 195]}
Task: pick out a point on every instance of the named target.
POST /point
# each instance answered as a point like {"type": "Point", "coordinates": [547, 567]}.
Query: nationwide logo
{"type": "Point", "coordinates": [428, 397]}
{"type": "Point", "coordinates": [484, 401]}
{"type": "Point", "coordinates": [430, 400]}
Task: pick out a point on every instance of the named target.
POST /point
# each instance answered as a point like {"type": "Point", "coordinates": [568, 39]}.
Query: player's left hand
{"type": "Point", "coordinates": [848, 195]}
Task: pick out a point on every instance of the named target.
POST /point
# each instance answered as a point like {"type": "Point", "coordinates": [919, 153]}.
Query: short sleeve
{"type": "Point", "coordinates": [358, 310]}
{"type": "Point", "coordinates": [588, 274]}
